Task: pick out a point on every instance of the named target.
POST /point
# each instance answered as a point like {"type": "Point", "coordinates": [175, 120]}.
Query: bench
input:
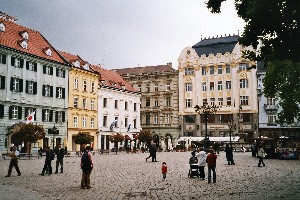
{"type": "Point", "coordinates": [103, 151]}
{"type": "Point", "coordinates": [22, 155]}
{"type": "Point", "coordinates": [4, 155]}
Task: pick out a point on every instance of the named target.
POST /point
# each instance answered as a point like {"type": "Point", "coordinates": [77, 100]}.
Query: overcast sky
{"type": "Point", "coordinates": [124, 33]}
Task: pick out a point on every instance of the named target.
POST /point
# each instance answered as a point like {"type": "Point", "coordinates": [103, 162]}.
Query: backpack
{"type": "Point", "coordinates": [85, 160]}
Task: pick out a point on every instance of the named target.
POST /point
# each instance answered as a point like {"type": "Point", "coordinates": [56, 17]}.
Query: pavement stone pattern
{"type": "Point", "coordinates": [127, 176]}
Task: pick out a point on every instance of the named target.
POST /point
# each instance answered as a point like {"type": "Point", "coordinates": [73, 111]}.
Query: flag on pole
{"type": "Point", "coordinates": [30, 118]}
{"type": "Point", "coordinates": [128, 129]}
{"type": "Point", "coordinates": [112, 125]}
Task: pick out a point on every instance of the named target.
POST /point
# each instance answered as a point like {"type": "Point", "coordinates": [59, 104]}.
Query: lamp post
{"type": "Point", "coordinates": [230, 124]}
{"type": "Point", "coordinates": [206, 109]}
{"type": "Point", "coordinates": [54, 132]}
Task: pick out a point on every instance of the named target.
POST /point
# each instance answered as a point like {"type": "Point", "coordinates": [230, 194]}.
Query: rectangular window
{"type": "Point", "coordinates": [247, 117]}
{"type": "Point", "coordinates": [220, 85]}
{"type": "Point", "coordinates": [203, 71]}
{"type": "Point", "coordinates": [188, 103]}
{"type": "Point", "coordinates": [147, 119]}
{"type": "Point", "coordinates": [75, 102]}
{"type": "Point", "coordinates": [84, 122]}
{"type": "Point", "coordinates": [104, 102]}
{"type": "Point", "coordinates": [211, 85]}
{"type": "Point", "coordinates": [228, 101]}
{"type": "Point", "coordinates": [212, 70]}
{"type": "Point", "coordinates": [212, 101]}
{"type": "Point", "coordinates": [60, 73]}
{"type": "Point", "coordinates": [272, 119]}
{"type": "Point", "coordinates": [244, 100]}
{"type": "Point", "coordinates": [59, 92]}
{"type": "Point", "coordinates": [104, 123]}
{"type": "Point", "coordinates": [168, 86]}
{"type": "Point", "coordinates": [116, 104]}
{"type": "Point", "coordinates": [59, 116]}
{"type": "Point", "coordinates": [17, 62]}
{"type": "Point", "coordinates": [126, 122]}
{"type": "Point", "coordinates": [219, 69]}
{"type": "Point", "coordinates": [134, 107]}
{"type": "Point", "coordinates": [156, 103]}
{"type": "Point", "coordinates": [84, 86]}
{"type": "Point", "coordinates": [204, 88]}
{"type": "Point", "coordinates": [155, 119]}
{"type": "Point", "coordinates": [16, 85]}
{"type": "Point", "coordinates": [243, 66]}
{"type": "Point", "coordinates": [148, 87]}
{"type": "Point", "coordinates": [126, 105]}
{"type": "Point", "coordinates": [188, 87]}
{"type": "Point", "coordinates": [75, 121]}
{"type": "Point", "coordinates": [2, 58]}
{"type": "Point", "coordinates": [243, 83]}
{"type": "Point", "coordinates": [93, 87]}
{"type": "Point", "coordinates": [75, 84]}
{"type": "Point", "coordinates": [31, 66]}
{"type": "Point", "coordinates": [49, 70]}
{"type": "Point", "coordinates": [134, 123]}
{"type": "Point", "coordinates": [92, 104]}
{"type": "Point", "coordinates": [14, 112]}
{"type": "Point", "coordinates": [47, 90]}
{"type": "Point", "coordinates": [168, 101]}
{"type": "Point", "coordinates": [84, 104]}
{"type": "Point", "coordinates": [47, 115]}
{"type": "Point", "coordinates": [147, 102]}
{"type": "Point", "coordinates": [271, 101]}
{"type": "Point", "coordinates": [30, 85]}
{"type": "Point", "coordinates": [227, 69]}
{"type": "Point", "coordinates": [156, 87]}
{"type": "Point", "coordinates": [92, 122]}
{"type": "Point", "coordinates": [2, 82]}
{"type": "Point", "coordinates": [116, 120]}
{"type": "Point", "coordinates": [228, 85]}
{"type": "Point", "coordinates": [168, 119]}
{"type": "Point", "coordinates": [189, 71]}
{"type": "Point", "coordinates": [220, 101]}
{"type": "Point", "coordinates": [139, 87]}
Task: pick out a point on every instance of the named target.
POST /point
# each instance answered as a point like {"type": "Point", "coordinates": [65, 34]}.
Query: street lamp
{"type": "Point", "coordinates": [230, 124]}
{"type": "Point", "coordinates": [54, 132]}
{"type": "Point", "coordinates": [206, 110]}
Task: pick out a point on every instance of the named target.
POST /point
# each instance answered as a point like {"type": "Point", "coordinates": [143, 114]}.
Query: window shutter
{"type": "Point", "coordinates": [26, 87]}
{"type": "Point", "coordinates": [63, 116]}
{"type": "Point", "coordinates": [27, 65]}
{"type": "Point", "coordinates": [51, 115]}
{"type": "Point", "coordinates": [56, 116]}
{"type": "Point", "coordinates": [21, 85]}
{"type": "Point", "coordinates": [34, 87]}
{"type": "Point", "coordinates": [43, 92]}
{"type": "Point", "coordinates": [1, 111]}
{"type": "Point", "coordinates": [44, 69]}
{"type": "Point", "coordinates": [26, 113]}
{"type": "Point", "coordinates": [13, 61]}
{"type": "Point", "coordinates": [21, 63]}
{"type": "Point", "coordinates": [11, 83]}
{"type": "Point", "coordinates": [51, 70]}
{"type": "Point", "coordinates": [57, 92]}
{"type": "Point", "coordinates": [35, 116]}
{"type": "Point", "coordinates": [3, 59]}
{"type": "Point", "coordinates": [2, 82]}
{"type": "Point", "coordinates": [35, 66]}
{"type": "Point", "coordinates": [51, 91]}
{"type": "Point", "coordinates": [57, 72]}
{"type": "Point", "coordinates": [43, 115]}
{"type": "Point", "coordinates": [64, 73]}
{"type": "Point", "coordinates": [10, 112]}
{"type": "Point", "coordinates": [19, 112]}
{"type": "Point", "coordinates": [63, 93]}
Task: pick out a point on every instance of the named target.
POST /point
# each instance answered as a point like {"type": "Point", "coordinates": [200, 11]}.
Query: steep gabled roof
{"type": "Point", "coordinates": [36, 42]}
{"type": "Point", "coordinates": [73, 58]}
{"type": "Point", "coordinates": [109, 78]}
{"type": "Point", "coordinates": [146, 70]}
{"type": "Point", "coordinates": [216, 45]}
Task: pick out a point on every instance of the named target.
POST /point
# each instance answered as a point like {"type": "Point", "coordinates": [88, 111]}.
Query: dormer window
{"type": "Point", "coordinates": [48, 52]}
{"type": "Point", "coordinates": [86, 67]}
{"type": "Point", "coordinates": [25, 35]}
{"type": "Point", "coordinates": [24, 44]}
{"type": "Point", "coordinates": [77, 63]}
{"type": "Point", "coordinates": [2, 27]}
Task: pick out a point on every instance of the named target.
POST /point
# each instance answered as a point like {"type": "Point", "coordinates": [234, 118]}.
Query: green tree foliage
{"type": "Point", "coordinates": [276, 24]}
{"type": "Point", "coordinates": [145, 136]}
{"type": "Point", "coordinates": [82, 138]}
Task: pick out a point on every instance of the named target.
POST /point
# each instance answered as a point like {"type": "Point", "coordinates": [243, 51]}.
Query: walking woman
{"type": "Point", "coordinates": [261, 154]}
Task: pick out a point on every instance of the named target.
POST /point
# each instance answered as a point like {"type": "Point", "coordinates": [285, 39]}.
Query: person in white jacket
{"type": "Point", "coordinates": [261, 154]}
{"type": "Point", "coordinates": [201, 156]}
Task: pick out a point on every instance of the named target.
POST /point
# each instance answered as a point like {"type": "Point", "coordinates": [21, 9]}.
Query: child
{"type": "Point", "coordinates": [164, 170]}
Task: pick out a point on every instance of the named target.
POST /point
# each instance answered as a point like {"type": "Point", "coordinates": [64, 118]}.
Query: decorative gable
{"type": "Point", "coordinates": [2, 27]}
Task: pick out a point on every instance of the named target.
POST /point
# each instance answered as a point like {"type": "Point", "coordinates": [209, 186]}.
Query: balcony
{"type": "Point", "coordinates": [271, 108]}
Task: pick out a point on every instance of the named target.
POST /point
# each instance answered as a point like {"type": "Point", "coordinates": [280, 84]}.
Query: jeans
{"type": "Point", "coordinates": [85, 180]}
{"type": "Point", "coordinates": [13, 163]}
{"type": "Point", "coordinates": [61, 163]}
{"type": "Point", "coordinates": [261, 161]}
{"type": "Point", "coordinates": [201, 170]}
{"type": "Point", "coordinates": [211, 169]}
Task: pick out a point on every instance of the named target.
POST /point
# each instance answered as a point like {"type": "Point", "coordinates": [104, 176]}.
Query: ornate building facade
{"type": "Point", "coordinates": [214, 71]}
{"type": "Point", "coordinates": [159, 102]}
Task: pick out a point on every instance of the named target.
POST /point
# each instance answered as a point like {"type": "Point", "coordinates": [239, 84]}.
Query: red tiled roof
{"type": "Point", "coordinates": [36, 42]}
{"type": "Point", "coordinates": [146, 70]}
{"type": "Point", "coordinates": [112, 79]}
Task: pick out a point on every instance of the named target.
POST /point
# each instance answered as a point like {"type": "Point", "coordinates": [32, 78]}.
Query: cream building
{"type": "Point", "coordinates": [83, 104]}
{"type": "Point", "coordinates": [159, 102]}
{"type": "Point", "coordinates": [214, 71]}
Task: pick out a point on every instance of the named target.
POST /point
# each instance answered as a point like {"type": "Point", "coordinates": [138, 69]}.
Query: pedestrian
{"type": "Point", "coordinates": [211, 164]}
{"type": "Point", "coordinates": [150, 151]}
{"type": "Point", "coordinates": [261, 154]}
{"type": "Point", "coordinates": [201, 156]}
{"type": "Point", "coordinates": [87, 167]}
{"type": "Point", "coordinates": [229, 155]}
{"type": "Point", "coordinates": [13, 161]}
{"type": "Point", "coordinates": [49, 157]}
{"type": "Point", "coordinates": [154, 149]}
{"type": "Point", "coordinates": [164, 170]}
{"type": "Point", "coordinates": [59, 158]}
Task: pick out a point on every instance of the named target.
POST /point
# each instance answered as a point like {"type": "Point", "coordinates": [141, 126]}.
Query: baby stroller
{"type": "Point", "coordinates": [194, 171]}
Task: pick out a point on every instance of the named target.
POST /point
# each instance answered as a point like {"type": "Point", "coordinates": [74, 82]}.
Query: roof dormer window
{"type": "Point", "coordinates": [77, 63]}
{"type": "Point", "coordinates": [25, 35]}
{"type": "Point", "coordinates": [48, 52]}
{"type": "Point", "coordinates": [2, 27]}
{"type": "Point", "coordinates": [86, 67]}
{"type": "Point", "coordinates": [24, 44]}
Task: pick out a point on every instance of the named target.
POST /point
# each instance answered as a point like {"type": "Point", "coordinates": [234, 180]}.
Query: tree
{"type": "Point", "coordinates": [28, 133]}
{"type": "Point", "coordinates": [115, 138]}
{"type": "Point", "coordinates": [145, 137]}
{"type": "Point", "coordinates": [82, 138]}
{"type": "Point", "coordinates": [274, 23]}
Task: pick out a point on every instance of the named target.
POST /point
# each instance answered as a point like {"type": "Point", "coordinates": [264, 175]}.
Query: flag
{"type": "Point", "coordinates": [30, 118]}
{"type": "Point", "coordinates": [112, 125]}
{"type": "Point", "coordinates": [128, 129]}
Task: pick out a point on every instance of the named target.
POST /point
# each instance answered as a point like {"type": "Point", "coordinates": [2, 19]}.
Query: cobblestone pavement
{"type": "Point", "coordinates": [129, 176]}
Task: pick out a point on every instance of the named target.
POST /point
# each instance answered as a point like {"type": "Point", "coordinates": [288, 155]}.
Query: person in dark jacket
{"type": "Point", "coordinates": [229, 155]}
{"type": "Point", "coordinates": [87, 167]}
{"type": "Point", "coordinates": [59, 158]}
{"type": "Point", "coordinates": [211, 164]}
{"type": "Point", "coordinates": [49, 157]}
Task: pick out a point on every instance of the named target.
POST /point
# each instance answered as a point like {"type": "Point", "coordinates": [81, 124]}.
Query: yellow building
{"type": "Point", "coordinates": [82, 105]}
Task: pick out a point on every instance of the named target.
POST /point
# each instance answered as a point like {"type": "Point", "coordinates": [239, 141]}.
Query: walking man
{"type": "Point", "coordinates": [229, 155]}
{"type": "Point", "coordinates": [86, 166]}
{"type": "Point", "coordinates": [59, 159]}
{"type": "Point", "coordinates": [49, 157]}
{"type": "Point", "coordinates": [13, 162]}
{"type": "Point", "coordinates": [211, 164]}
